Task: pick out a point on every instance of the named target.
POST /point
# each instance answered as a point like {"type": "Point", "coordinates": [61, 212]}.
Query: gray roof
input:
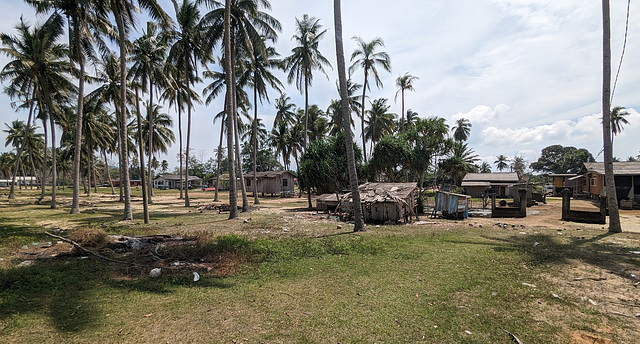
{"type": "Point", "coordinates": [329, 197]}
{"type": "Point", "coordinates": [268, 174]}
{"type": "Point", "coordinates": [622, 168]}
{"type": "Point", "coordinates": [175, 177]}
{"type": "Point", "coordinates": [498, 178]}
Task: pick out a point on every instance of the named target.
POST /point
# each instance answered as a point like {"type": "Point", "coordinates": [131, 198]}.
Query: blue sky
{"type": "Point", "coordinates": [527, 73]}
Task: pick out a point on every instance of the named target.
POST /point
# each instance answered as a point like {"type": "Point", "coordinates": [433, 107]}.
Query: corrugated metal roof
{"type": "Point", "coordinates": [268, 174]}
{"type": "Point", "coordinates": [498, 177]}
{"type": "Point", "coordinates": [622, 168]}
{"type": "Point", "coordinates": [469, 184]}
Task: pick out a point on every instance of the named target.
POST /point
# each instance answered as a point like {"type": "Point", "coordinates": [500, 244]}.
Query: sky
{"type": "Point", "coordinates": [526, 73]}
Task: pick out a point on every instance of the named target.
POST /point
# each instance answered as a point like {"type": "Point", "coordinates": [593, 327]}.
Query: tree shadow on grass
{"type": "Point", "coordinates": [554, 249]}
{"type": "Point", "coordinates": [71, 291]}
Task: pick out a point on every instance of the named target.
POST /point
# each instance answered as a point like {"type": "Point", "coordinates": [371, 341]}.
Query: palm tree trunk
{"type": "Point", "coordinates": [54, 165]}
{"type": "Point", "coordinates": [612, 200]}
{"type": "Point", "coordinates": [24, 142]}
{"type": "Point", "coordinates": [243, 188]}
{"type": "Point", "coordinates": [362, 114]}
{"type": "Point", "coordinates": [127, 213]}
{"type": "Point", "coordinates": [233, 194]}
{"type": "Point", "coordinates": [186, 153]}
{"type": "Point", "coordinates": [145, 207]}
{"type": "Point", "coordinates": [75, 173]}
{"type": "Point", "coordinates": [306, 111]}
{"type": "Point", "coordinates": [106, 167]}
{"type": "Point", "coordinates": [44, 165]}
{"type": "Point", "coordinates": [346, 119]}
{"type": "Point", "coordinates": [402, 116]}
{"type": "Point", "coordinates": [255, 145]}
{"type": "Point", "coordinates": [180, 139]}
{"type": "Point", "coordinates": [150, 143]}
{"type": "Point", "coordinates": [219, 156]}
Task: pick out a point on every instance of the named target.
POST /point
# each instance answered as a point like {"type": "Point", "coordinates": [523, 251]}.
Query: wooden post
{"type": "Point", "coordinates": [523, 202]}
{"type": "Point", "coordinates": [566, 204]}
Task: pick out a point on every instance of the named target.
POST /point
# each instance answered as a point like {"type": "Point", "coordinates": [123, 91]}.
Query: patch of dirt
{"type": "Point", "coordinates": [580, 337]}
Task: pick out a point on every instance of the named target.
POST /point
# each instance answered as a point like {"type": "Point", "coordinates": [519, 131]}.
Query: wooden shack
{"type": "Point", "coordinates": [479, 184]}
{"type": "Point", "coordinates": [385, 202]}
{"type": "Point", "coordinates": [328, 202]}
{"type": "Point", "coordinates": [271, 182]}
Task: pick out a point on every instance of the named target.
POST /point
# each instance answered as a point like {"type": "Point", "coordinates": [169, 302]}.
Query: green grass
{"type": "Point", "coordinates": [399, 284]}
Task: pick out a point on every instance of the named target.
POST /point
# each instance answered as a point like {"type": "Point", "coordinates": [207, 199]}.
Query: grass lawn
{"type": "Point", "coordinates": [289, 276]}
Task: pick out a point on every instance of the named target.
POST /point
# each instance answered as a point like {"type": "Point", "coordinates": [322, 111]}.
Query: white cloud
{"type": "Point", "coordinates": [481, 113]}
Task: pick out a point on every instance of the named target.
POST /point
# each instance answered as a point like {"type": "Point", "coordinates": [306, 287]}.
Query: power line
{"type": "Point", "coordinates": [624, 47]}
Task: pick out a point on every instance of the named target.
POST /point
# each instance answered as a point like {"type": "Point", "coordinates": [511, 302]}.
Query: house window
{"type": "Point", "coordinates": [285, 182]}
{"type": "Point", "coordinates": [248, 182]}
{"type": "Point", "coordinates": [593, 181]}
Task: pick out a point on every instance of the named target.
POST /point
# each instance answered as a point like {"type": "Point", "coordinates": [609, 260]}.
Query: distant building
{"type": "Point", "coordinates": [271, 182]}
{"type": "Point", "coordinates": [626, 175]}
{"type": "Point", "coordinates": [571, 181]}
{"type": "Point", "coordinates": [172, 181]}
{"type": "Point", "coordinates": [385, 202]}
{"type": "Point", "coordinates": [477, 184]}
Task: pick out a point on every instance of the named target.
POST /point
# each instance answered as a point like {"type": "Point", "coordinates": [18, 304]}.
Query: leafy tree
{"type": "Point", "coordinates": [390, 155]}
{"type": "Point", "coordinates": [324, 166]}
{"type": "Point", "coordinates": [559, 159]}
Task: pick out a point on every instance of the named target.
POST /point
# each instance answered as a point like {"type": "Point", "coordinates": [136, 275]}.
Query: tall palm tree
{"type": "Point", "coordinates": [318, 123]}
{"type": "Point", "coordinates": [501, 162]}
{"type": "Point", "coordinates": [284, 110]}
{"type": "Point", "coordinates": [148, 69]}
{"type": "Point", "coordinates": [366, 57]}
{"type": "Point", "coordinates": [278, 139]}
{"type": "Point", "coordinates": [38, 61]}
{"type": "Point", "coordinates": [123, 13]}
{"type": "Point", "coordinates": [187, 50]}
{"type": "Point", "coordinates": [411, 119]}
{"type": "Point", "coordinates": [461, 130]}
{"type": "Point", "coordinates": [305, 58]}
{"type": "Point", "coordinates": [228, 69]}
{"type": "Point", "coordinates": [380, 121]}
{"type": "Point", "coordinates": [334, 110]}
{"type": "Point", "coordinates": [612, 201]}
{"type": "Point", "coordinates": [404, 83]}
{"type": "Point", "coordinates": [87, 19]}
{"type": "Point", "coordinates": [260, 66]}
{"type": "Point", "coordinates": [344, 98]}
{"type": "Point", "coordinates": [485, 167]}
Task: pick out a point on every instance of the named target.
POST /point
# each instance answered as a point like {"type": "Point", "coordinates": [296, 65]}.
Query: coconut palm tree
{"type": "Point", "coordinates": [305, 58]}
{"type": "Point", "coordinates": [334, 110]}
{"type": "Point", "coordinates": [461, 130]}
{"type": "Point", "coordinates": [344, 98]}
{"type": "Point", "coordinates": [228, 69]}
{"type": "Point", "coordinates": [148, 69]}
{"type": "Point", "coordinates": [485, 167]}
{"type": "Point", "coordinates": [410, 120]}
{"type": "Point", "coordinates": [404, 83]}
{"type": "Point", "coordinates": [501, 162]}
{"type": "Point", "coordinates": [123, 13]}
{"type": "Point", "coordinates": [284, 110]}
{"type": "Point", "coordinates": [187, 50]}
{"type": "Point", "coordinates": [278, 139]}
{"type": "Point", "coordinates": [618, 115]}
{"type": "Point", "coordinates": [38, 65]}
{"type": "Point", "coordinates": [380, 121]}
{"type": "Point", "coordinates": [366, 57]}
{"type": "Point", "coordinates": [87, 20]}
{"type": "Point", "coordinates": [612, 201]}
{"type": "Point", "coordinates": [260, 66]}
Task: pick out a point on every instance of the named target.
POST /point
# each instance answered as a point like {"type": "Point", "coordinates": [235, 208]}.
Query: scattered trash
{"type": "Point", "coordinates": [196, 276]}
{"type": "Point", "coordinates": [26, 263]}
{"type": "Point", "coordinates": [245, 221]}
{"type": "Point", "coordinates": [155, 272]}
{"type": "Point", "coordinates": [25, 247]}
{"type": "Point", "coordinates": [556, 296]}
{"type": "Point", "coordinates": [536, 244]}
{"type": "Point", "coordinates": [633, 275]}
{"type": "Point", "coordinates": [494, 293]}
{"type": "Point", "coordinates": [339, 226]}
{"type": "Point", "coordinates": [523, 233]}
{"type": "Point", "coordinates": [634, 252]}
{"type": "Point", "coordinates": [148, 315]}
{"type": "Point", "coordinates": [513, 337]}
{"type": "Point", "coordinates": [592, 302]}
{"type": "Point", "coordinates": [529, 285]}
{"type": "Point", "coordinates": [468, 332]}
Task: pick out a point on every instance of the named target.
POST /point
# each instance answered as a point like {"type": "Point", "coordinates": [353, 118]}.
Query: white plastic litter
{"type": "Point", "coordinates": [196, 276]}
{"type": "Point", "coordinates": [155, 272]}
